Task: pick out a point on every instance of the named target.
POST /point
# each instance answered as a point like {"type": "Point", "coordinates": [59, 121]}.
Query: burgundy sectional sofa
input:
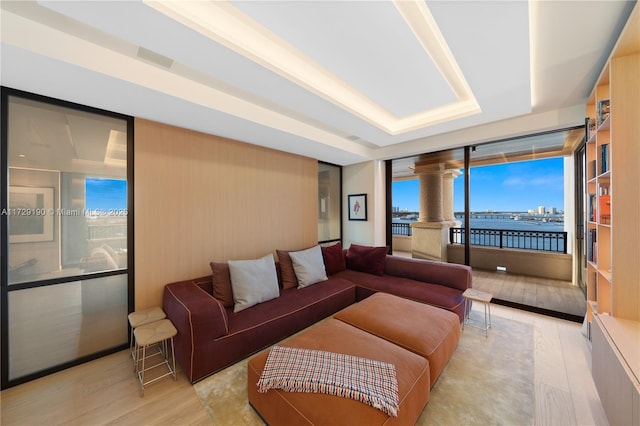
{"type": "Point", "coordinates": [211, 336]}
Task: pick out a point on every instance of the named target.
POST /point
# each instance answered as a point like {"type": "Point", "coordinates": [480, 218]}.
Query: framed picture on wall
{"type": "Point", "coordinates": [30, 214]}
{"type": "Point", "coordinates": [358, 207]}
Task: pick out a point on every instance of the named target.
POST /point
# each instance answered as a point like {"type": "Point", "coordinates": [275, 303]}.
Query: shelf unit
{"type": "Point", "coordinates": [613, 228]}
{"type": "Point", "coordinates": [599, 198]}
{"type": "Point", "coordinates": [612, 181]}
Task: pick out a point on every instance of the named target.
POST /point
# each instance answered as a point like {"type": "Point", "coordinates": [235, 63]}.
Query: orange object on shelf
{"type": "Point", "coordinates": [605, 208]}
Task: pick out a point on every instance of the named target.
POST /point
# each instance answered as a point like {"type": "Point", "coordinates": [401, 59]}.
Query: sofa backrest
{"type": "Point", "coordinates": [204, 283]}
{"type": "Point", "coordinates": [448, 274]}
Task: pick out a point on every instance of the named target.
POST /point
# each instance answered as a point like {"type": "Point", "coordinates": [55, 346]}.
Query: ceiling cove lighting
{"type": "Point", "coordinates": [534, 10]}
{"type": "Point", "coordinates": [222, 22]}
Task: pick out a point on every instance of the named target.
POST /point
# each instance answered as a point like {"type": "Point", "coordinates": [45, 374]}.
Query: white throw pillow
{"type": "Point", "coordinates": [253, 281]}
{"type": "Point", "coordinates": [309, 266]}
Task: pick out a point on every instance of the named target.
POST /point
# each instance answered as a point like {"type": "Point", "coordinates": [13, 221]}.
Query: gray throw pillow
{"type": "Point", "coordinates": [253, 281]}
{"type": "Point", "coordinates": [309, 266]}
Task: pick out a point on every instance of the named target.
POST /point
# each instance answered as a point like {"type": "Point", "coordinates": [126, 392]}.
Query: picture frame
{"type": "Point", "coordinates": [30, 214]}
{"type": "Point", "coordinates": [358, 207]}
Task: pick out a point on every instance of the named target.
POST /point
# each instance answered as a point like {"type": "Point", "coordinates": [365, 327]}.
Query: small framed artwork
{"type": "Point", "coordinates": [31, 214]}
{"type": "Point", "coordinates": [358, 207]}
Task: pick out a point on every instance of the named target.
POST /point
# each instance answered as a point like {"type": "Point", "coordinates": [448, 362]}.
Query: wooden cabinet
{"type": "Point", "coordinates": [613, 228]}
{"type": "Point", "coordinates": [615, 363]}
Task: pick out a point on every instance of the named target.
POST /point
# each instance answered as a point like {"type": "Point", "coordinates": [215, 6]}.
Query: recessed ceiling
{"type": "Point", "coordinates": [422, 84]}
{"type": "Point", "coordinates": [343, 82]}
{"type": "Point", "coordinates": [406, 80]}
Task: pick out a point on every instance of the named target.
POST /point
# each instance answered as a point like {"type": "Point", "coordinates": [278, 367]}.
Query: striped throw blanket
{"type": "Point", "coordinates": [307, 370]}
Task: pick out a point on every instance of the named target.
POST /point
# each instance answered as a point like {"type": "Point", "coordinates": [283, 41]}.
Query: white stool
{"type": "Point", "coordinates": [156, 333]}
{"type": "Point", "coordinates": [470, 295]}
{"type": "Point", "coordinates": [142, 317]}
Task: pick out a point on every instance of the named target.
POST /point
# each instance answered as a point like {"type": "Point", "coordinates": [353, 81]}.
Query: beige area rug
{"type": "Point", "coordinates": [488, 381]}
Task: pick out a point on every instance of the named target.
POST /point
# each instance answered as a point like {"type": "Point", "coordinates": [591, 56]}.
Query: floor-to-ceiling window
{"type": "Point", "coordinates": [520, 215]}
{"type": "Point", "coordinates": [66, 246]}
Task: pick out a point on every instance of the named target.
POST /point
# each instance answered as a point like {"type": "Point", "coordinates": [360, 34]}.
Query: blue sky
{"type": "Point", "coordinates": [105, 194]}
{"type": "Point", "coordinates": [504, 187]}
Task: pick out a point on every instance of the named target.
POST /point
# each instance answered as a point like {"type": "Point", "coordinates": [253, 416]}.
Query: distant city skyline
{"type": "Point", "coordinates": [519, 186]}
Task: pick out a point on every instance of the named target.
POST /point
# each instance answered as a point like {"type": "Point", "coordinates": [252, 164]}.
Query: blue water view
{"type": "Point", "coordinates": [553, 225]}
{"type": "Point", "coordinates": [520, 225]}
{"type": "Point", "coordinates": [527, 232]}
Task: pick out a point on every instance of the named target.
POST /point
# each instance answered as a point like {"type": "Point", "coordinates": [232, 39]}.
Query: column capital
{"type": "Point", "coordinates": [427, 169]}
{"type": "Point", "coordinates": [452, 173]}
{"type": "Point", "coordinates": [438, 168]}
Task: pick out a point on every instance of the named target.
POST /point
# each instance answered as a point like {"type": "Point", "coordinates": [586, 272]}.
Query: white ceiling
{"type": "Point", "coordinates": [343, 81]}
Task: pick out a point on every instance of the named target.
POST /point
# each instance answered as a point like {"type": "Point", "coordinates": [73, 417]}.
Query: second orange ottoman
{"type": "Point", "coordinates": [428, 331]}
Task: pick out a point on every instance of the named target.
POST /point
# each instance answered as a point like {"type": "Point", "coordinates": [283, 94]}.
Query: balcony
{"type": "Point", "coordinates": [517, 267]}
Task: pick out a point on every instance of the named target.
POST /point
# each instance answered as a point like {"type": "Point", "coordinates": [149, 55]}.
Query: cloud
{"type": "Point", "coordinates": [516, 182]}
{"type": "Point", "coordinates": [550, 181]}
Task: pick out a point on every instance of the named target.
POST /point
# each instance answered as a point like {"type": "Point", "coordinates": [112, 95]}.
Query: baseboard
{"type": "Point", "coordinates": [542, 311]}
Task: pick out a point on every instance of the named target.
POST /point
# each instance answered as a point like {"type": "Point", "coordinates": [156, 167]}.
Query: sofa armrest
{"type": "Point", "coordinates": [448, 274]}
{"type": "Point", "coordinates": [196, 314]}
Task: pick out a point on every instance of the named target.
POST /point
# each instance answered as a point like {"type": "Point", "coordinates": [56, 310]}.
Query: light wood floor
{"type": "Point", "coordinates": [554, 295]}
{"type": "Point", "coordinates": [105, 391]}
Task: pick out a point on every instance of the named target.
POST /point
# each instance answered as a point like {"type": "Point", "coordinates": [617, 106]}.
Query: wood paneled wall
{"type": "Point", "coordinates": [202, 198]}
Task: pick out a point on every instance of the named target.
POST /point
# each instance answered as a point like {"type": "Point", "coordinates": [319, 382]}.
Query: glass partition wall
{"type": "Point", "coordinates": [329, 203]}
{"type": "Point", "coordinates": [65, 234]}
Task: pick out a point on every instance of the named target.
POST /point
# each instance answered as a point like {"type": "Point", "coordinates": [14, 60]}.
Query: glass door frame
{"type": "Point", "coordinates": [5, 94]}
{"type": "Point", "coordinates": [580, 158]}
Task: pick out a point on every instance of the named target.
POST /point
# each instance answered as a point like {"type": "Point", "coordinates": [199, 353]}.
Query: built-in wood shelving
{"type": "Point", "coordinates": [613, 228]}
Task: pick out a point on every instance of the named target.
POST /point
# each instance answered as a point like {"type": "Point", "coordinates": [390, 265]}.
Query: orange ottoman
{"type": "Point", "coordinates": [423, 329]}
{"type": "Point", "coordinates": [277, 407]}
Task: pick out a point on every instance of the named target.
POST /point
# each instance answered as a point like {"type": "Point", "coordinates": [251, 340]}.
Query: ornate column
{"type": "Point", "coordinates": [424, 200]}
{"type": "Point", "coordinates": [431, 185]}
{"type": "Point", "coordinates": [431, 232]}
{"type": "Point", "coordinates": [434, 193]}
{"type": "Point", "coordinates": [447, 194]}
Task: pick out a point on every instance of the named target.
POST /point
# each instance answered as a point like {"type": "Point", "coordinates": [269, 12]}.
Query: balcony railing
{"type": "Point", "coordinates": [107, 232]}
{"type": "Point", "coordinates": [398, 228]}
{"type": "Point", "coordinates": [508, 238]}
